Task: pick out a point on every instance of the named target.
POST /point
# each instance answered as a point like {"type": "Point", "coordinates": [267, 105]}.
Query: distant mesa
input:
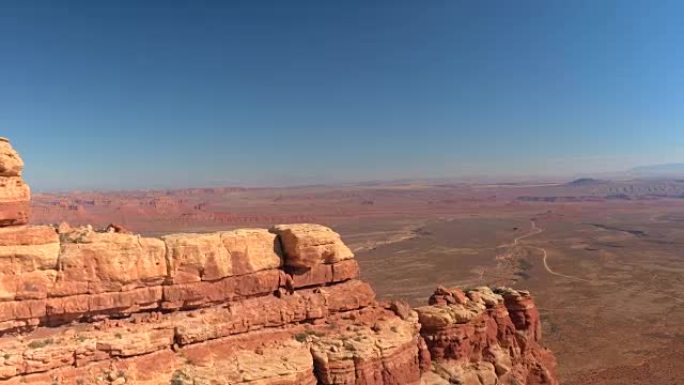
{"type": "Point", "coordinates": [585, 182]}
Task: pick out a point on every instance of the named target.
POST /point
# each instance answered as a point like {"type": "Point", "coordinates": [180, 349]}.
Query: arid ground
{"type": "Point", "coordinates": [603, 259]}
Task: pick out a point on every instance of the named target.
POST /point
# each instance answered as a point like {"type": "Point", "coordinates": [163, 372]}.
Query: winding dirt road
{"type": "Point", "coordinates": [534, 231]}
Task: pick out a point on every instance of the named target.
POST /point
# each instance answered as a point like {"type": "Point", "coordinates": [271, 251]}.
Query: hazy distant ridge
{"type": "Point", "coordinates": [668, 169]}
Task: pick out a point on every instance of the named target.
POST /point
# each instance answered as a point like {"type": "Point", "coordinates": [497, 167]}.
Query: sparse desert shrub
{"type": "Point", "coordinates": [303, 336]}
{"type": "Point", "coordinates": [180, 378]}
{"type": "Point", "coordinates": [36, 344]}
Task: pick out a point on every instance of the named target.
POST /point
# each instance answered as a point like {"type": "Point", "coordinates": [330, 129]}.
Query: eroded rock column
{"type": "Point", "coordinates": [28, 254]}
{"type": "Point", "coordinates": [15, 194]}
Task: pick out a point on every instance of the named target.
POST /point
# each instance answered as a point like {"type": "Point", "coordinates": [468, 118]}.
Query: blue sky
{"type": "Point", "coordinates": [130, 94]}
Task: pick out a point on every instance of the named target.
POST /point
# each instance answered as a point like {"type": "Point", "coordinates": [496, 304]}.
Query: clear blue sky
{"type": "Point", "coordinates": [126, 94]}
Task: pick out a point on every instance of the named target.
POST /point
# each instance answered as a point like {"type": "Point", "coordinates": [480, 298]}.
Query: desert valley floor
{"type": "Point", "coordinates": [603, 259]}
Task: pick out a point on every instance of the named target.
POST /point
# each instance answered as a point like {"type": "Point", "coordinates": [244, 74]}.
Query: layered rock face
{"type": "Point", "coordinates": [484, 336]}
{"type": "Point", "coordinates": [14, 193]}
{"type": "Point", "coordinates": [279, 306]}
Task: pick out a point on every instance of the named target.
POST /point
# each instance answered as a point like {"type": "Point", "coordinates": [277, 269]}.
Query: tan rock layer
{"type": "Point", "coordinates": [46, 278]}
{"type": "Point", "coordinates": [38, 352]}
{"type": "Point", "coordinates": [89, 262]}
{"type": "Point", "coordinates": [60, 310]}
{"type": "Point", "coordinates": [306, 245]}
{"type": "Point", "coordinates": [353, 341]}
{"type": "Point", "coordinates": [10, 161]}
{"type": "Point", "coordinates": [265, 340]}
{"type": "Point", "coordinates": [15, 195]}
{"type": "Point", "coordinates": [382, 353]}
{"type": "Point", "coordinates": [373, 347]}
{"type": "Point", "coordinates": [208, 257]}
{"type": "Point", "coordinates": [263, 359]}
{"type": "Point", "coordinates": [28, 257]}
{"type": "Point", "coordinates": [14, 213]}
{"type": "Point", "coordinates": [28, 236]}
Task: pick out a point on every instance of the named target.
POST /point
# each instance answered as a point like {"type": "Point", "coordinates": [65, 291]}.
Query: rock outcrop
{"type": "Point", "coordinates": [15, 195]}
{"type": "Point", "coordinates": [484, 336]}
{"type": "Point", "coordinates": [279, 306]}
{"type": "Point", "coordinates": [307, 245]}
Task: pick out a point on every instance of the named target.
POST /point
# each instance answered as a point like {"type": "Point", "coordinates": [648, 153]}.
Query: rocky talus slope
{"type": "Point", "coordinates": [279, 306]}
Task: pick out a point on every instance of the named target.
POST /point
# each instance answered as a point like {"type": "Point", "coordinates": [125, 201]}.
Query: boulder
{"type": "Point", "coordinates": [252, 250]}
{"type": "Point", "coordinates": [197, 257]}
{"type": "Point", "coordinates": [209, 257]}
{"type": "Point", "coordinates": [306, 245]}
{"type": "Point", "coordinates": [10, 161]}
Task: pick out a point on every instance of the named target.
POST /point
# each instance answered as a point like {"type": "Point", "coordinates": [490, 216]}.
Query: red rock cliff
{"type": "Point", "coordinates": [282, 306]}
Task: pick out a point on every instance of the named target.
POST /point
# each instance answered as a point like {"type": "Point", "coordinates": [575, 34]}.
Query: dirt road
{"type": "Point", "coordinates": [534, 231]}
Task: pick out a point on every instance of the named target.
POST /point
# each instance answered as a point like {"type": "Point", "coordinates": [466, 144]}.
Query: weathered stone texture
{"type": "Point", "coordinates": [15, 194]}
{"type": "Point", "coordinates": [305, 245]}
